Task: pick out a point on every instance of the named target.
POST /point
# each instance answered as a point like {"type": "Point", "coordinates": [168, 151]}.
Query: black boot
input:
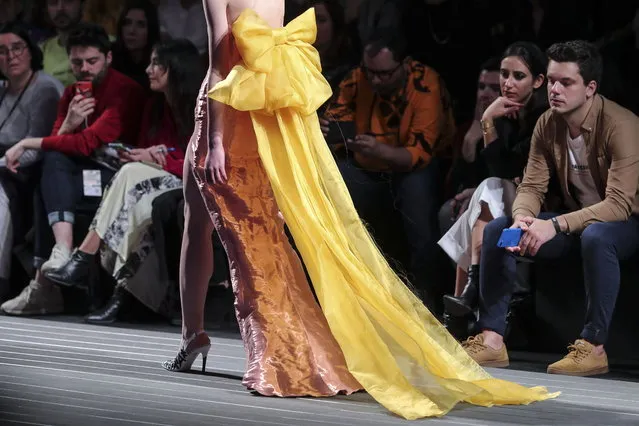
{"type": "Point", "coordinates": [75, 273]}
{"type": "Point", "coordinates": [467, 301]}
{"type": "Point", "coordinates": [109, 313]}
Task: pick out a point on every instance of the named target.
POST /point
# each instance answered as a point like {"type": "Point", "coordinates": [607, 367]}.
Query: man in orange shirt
{"type": "Point", "coordinates": [390, 119]}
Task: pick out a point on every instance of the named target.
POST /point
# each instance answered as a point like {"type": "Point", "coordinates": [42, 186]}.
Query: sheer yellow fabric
{"type": "Point", "coordinates": [393, 346]}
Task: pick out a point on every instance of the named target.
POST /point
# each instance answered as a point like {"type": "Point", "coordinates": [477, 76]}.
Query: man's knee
{"type": "Point", "coordinates": [594, 238]}
{"type": "Point", "coordinates": [494, 228]}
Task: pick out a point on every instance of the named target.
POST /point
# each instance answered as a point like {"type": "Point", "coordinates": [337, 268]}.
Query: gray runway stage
{"type": "Point", "coordinates": [67, 373]}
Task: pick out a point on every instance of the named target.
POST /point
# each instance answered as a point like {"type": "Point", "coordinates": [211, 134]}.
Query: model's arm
{"type": "Point", "coordinates": [218, 27]}
{"type": "Point", "coordinates": [209, 114]}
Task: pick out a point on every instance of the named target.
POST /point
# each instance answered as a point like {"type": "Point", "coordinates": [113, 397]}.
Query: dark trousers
{"type": "Point", "coordinates": [601, 245]}
{"type": "Point", "coordinates": [61, 194]}
{"type": "Point", "coordinates": [378, 197]}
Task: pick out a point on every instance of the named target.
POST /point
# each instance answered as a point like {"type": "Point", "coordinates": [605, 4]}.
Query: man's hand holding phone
{"type": "Point", "coordinates": [81, 107]}
{"type": "Point", "coordinates": [534, 233]}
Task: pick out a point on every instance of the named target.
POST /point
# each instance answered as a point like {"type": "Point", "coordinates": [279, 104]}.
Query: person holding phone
{"type": "Point", "coordinates": [84, 126]}
{"type": "Point", "coordinates": [507, 127]}
{"type": "Point", "coordinates": [388, 122]}
{"type": "Point", "coordinates": [122, 226]}
{"type": "Point", "coordinates": [590, 144]}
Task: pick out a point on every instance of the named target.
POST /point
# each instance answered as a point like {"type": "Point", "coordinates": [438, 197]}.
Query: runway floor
{"type": "Point", "coordinates": [62, 372]}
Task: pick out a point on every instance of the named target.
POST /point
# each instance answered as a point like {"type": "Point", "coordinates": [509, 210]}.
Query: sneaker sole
{"type": "Point", "coordinates": [32, 313]}
{"type": "Point", "coordinates": [598, 371]}
{"type": "Point", "coordinates": [495, 364]}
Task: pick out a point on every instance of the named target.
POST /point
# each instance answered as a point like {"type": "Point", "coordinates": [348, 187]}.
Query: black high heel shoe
{"type": "Point", "coordinates": [186, 356]}
{"type": "Point", "coordinates": [466, 302]}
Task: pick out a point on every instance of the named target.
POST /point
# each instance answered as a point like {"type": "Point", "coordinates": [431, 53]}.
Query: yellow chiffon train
{"type": "Point", "coordinates": [394, 347]}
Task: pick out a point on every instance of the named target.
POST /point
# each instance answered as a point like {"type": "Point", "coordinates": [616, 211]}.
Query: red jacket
{"type": "Point", "coordinates": [119, 102]}
{"type": "Point", "coordinates": [165, 133]}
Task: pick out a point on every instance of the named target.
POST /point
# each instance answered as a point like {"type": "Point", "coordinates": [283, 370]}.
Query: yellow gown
{"type": "Point", "coordinates": [392, 344]}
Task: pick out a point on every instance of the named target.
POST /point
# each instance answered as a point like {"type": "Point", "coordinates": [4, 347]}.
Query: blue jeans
{"type": "Point", "coordinates": [60, 193]}
{"type": "Point", "coordinates": [602, 246]}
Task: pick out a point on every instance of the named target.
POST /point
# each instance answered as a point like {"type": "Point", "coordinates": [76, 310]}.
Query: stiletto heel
{"type": "Point", "coordinates": [186, 356]}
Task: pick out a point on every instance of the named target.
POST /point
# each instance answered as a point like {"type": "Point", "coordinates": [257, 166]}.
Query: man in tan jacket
{"type": "Point", "coordinates": [591, 146]}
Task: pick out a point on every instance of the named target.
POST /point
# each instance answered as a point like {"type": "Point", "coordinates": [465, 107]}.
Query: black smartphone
{"type": "Point", "coordinates": [341, 131]}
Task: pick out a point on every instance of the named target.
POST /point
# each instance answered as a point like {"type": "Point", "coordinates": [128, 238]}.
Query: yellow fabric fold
{"type": "Point", "coordinates": [392, 344]}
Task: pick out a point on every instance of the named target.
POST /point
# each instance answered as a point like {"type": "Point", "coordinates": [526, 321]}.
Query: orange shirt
{"type": "Point", "coordinates": [418, 118]}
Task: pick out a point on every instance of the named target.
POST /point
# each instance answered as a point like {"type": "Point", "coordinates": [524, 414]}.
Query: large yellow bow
{"type": "Point", "coordinates": [280, 69]}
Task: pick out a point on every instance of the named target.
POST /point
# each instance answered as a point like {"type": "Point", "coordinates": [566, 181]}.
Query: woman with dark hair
{"type": "Point", "coordinates": [138, 31]}
{"type": "Point", "coordinates": [333, 41]}
{"type": "Point", "coordinates": [28, 106]}
{"type": "Point", "coordinates": [123, 222]}
{"type": "Point", "coordinates": [507, 127]}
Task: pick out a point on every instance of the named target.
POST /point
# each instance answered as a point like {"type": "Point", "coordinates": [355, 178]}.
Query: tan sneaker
{"type": "Point", "coordinates": [60, 255]}
{"type": "Point", "coordinates": [483, 354]}
{"type": "Point", "coordinates": [35, 299]}
{"type": "Point", "coordinates": [580, 361]}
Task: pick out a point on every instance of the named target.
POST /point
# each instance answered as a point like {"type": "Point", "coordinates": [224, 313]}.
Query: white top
{"type": "Point", "coordinates": [179, 22]}
{"type": "Point", "coordinates": [579, 172]}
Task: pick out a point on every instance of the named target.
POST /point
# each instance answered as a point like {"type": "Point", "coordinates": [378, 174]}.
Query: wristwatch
{"type": "Point", "coordinates": [555, 223]}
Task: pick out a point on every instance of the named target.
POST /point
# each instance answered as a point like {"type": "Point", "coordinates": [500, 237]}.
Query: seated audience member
{"type": "Point", "coordinates": [12, 11]}
{"type": "Point", "coordinates": [184, 19]}
{"type": "Point", "coordinates": [86, 122]}
{"type": "Point", "coordinates": [467, 170]}
{"type": "Point", "coordinates": [333, 42]}
{"type": "Point", "coordinates": [399, 116]}
{"type": "Point", "coordinates": [64, 15]}
{"type": "Point", "coordinates": [507, 126]}
{"type": "Point", "coordinates": [590, 144]}
{"type": "Point", "coordinates": [379, 16]}
{"type": "Point", "coordinates": [103, 13]}
{"type": "Point", "coordinates": [122, 225]}
{"type": "Point", "coordinates": [138, 31]}
{"type": "Point", "coordinates": [27, 109]}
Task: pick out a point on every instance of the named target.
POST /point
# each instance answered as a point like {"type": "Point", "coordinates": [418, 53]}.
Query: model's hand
{"type": "Point", "coordinates": [216, 164]}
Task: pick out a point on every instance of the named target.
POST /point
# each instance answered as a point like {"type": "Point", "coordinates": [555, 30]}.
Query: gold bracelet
{"type": "Point", "coordinates": [486, 124]}
{"type": "Point", "coordinates": [487, 130]}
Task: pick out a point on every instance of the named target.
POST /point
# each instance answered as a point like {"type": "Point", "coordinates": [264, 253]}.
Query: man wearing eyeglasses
{"type": "Point", "coordinates": [390, 119]}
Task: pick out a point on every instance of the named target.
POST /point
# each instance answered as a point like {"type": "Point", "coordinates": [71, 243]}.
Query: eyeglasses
{"type": "Point", "coordinates": [16, 50]}
{"type": "Point", "coordinates": [381, 74]}
{"type": "Point", "coordinates": [493, 87]}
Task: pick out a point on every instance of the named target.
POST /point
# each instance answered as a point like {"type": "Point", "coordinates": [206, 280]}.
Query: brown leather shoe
{"type": "Point", "coordinates": [580, 361]}
{"type": "Point", "coordinates": [483, 354]}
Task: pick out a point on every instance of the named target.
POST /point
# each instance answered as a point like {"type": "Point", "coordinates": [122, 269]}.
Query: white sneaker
{"type": "Point", "coordinates": [60, 255]}
{"type": "Point", "coordinates": [35, 299]}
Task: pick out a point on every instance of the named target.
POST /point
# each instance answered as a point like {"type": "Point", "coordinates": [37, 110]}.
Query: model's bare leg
{"type": "Point", "coordinates": [196, 259]}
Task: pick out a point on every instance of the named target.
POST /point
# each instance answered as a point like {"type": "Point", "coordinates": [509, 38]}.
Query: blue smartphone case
{"type": "Point", "coordinates": [509, 237]}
